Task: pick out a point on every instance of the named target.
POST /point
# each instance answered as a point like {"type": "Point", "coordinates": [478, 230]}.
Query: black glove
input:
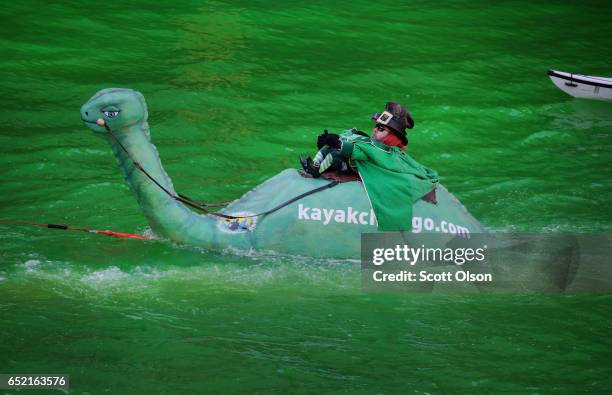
{"type": "Point", "coordinates": [331, 139]}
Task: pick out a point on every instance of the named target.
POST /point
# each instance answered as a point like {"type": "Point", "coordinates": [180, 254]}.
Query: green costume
{"type": "Point", "coordinates": [392, 179]}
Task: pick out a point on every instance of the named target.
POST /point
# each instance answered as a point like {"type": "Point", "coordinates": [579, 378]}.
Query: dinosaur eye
{"type": "Point", "coordinates": [110, 114]}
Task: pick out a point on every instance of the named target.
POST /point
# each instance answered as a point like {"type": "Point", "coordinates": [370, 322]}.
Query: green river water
{"type": "Point", "coordinates": [236, 92]}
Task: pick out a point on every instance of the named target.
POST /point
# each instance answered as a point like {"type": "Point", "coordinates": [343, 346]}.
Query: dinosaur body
{"type": "Point", "coordinates": [326, 224]}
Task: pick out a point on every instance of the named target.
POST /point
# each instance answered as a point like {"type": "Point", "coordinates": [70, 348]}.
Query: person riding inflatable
{"type": "Point", "coordinates": [392, 179]}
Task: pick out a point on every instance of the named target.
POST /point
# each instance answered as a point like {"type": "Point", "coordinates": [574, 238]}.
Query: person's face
{"type": "Point", "coordinates": [380, 132]}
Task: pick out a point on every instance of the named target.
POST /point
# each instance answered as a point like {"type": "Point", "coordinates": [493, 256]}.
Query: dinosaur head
{"type": "Point", "coordinates": [118, 108]}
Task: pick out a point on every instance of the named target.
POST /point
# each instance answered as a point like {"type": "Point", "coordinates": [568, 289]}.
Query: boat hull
{"type": "Point", "coordinates": [582, 86]}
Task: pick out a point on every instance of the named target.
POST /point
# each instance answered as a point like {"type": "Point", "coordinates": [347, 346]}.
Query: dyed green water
{"type": "Point", "coordinates": [236, 91]}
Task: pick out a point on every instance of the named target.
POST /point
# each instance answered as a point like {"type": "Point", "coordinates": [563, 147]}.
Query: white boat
{"type": "Point", "coordinates": [584, 86]}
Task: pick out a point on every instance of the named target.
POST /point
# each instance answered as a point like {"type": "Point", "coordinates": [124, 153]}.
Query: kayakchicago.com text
{"type": "Point", "coordinates": [352, 216]}
{"type": "Point", "coordinates": [412, 255]}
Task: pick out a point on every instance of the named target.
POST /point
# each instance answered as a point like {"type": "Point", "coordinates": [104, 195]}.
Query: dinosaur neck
{"type": "Point", "coordinates": [166, 216]}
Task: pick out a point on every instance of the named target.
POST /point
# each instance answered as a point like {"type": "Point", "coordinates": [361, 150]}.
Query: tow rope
{"type": "Point", "coordinates": [181, 198]}
{"type": "Point", "coordinates": [66, 227]}
{"type": "Point", "coordinates": [201, 205]}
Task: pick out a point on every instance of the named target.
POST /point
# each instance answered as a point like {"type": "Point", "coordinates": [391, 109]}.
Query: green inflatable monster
{"type": "Point", "coordinates": [324, 224]}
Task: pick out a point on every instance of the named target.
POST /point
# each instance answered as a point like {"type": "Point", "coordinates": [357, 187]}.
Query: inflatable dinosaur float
{"type": "Point", "coordinates": [328, 223]}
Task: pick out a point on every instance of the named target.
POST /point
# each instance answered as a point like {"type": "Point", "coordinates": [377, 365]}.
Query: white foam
{"type": "Point", "coordinates": [147, 273]}
{"type": "Point", "coordinates": [148, 233]}
{"type": "Point", "coordinates": [31, 265]}
{"type": "Point", "coordinates": [112, 274]}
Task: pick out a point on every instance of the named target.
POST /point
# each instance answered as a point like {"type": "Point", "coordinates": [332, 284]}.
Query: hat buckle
{"type": "Point", "coordinates": [384, 118]}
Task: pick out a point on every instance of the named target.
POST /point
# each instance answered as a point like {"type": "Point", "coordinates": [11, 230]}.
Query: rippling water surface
{"type": "Point", "coordinates": [236, 92]}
